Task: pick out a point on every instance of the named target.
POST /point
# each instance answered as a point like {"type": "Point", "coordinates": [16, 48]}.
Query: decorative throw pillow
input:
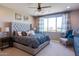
{"type": "Point", "coordinates": [24, 33]}
{"type": "Point", "coordinates": [15, 33]}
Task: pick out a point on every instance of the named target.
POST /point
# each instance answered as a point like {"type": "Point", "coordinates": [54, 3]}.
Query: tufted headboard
{"type": "Point", "coordinates": [15, 26]}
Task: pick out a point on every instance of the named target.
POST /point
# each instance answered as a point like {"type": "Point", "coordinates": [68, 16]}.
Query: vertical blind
{"type": "Point", "coordinates": [53, 23]}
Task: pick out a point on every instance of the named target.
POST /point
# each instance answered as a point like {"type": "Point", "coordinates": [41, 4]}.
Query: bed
{"type": "Point", "coordinates": [31, 43]}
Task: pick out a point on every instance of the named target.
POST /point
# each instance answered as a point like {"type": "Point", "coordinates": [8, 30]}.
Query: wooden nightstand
{"type": "Point", "coordinates": [5, 42]}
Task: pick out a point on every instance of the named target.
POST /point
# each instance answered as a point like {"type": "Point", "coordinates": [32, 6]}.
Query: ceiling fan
{"type": "Point", "coordinates": [39, 7]}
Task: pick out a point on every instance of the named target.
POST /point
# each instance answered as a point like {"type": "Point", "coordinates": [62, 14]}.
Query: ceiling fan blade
{"type": "Point", "coordinates": [39, 7]}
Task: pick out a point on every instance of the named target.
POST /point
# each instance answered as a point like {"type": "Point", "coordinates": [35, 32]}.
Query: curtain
{"type": "Point", "coordinates": [66, 24]}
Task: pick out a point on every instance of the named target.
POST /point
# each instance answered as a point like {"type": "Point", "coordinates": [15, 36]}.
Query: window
{"type": "Point", "coordinates": [41, 23]}
{"type": "Point", "coordinates": [53, 24]}
{"type": "Point", "coordinates": [45, 25]}
{"type": "Point", "coordinates": [59, 24]}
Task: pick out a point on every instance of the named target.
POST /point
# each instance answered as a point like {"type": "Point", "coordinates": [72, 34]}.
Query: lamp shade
{"type": "Point", "coordinates": [7, 29]}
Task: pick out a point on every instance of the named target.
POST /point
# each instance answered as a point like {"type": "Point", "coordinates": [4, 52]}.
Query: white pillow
{"type": "Point", "coordinates": [31, 32]}
{"type": "Point", "coordinates": [19, 33]}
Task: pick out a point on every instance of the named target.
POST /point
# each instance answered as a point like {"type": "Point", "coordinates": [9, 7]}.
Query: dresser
{"type": "Point", "coordinates": [76, 45]}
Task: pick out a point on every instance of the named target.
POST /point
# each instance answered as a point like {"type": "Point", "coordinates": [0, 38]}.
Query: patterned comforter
{"type": "Point", "coordinates": [32, 41]}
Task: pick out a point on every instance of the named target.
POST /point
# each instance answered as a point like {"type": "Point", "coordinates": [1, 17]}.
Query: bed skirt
{"type": "Point", "coordinates": [29, 49]}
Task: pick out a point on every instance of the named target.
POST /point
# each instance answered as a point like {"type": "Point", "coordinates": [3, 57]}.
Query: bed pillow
{"type": "Point", "coordinates": [19, 34]}
{"type": "Point", "coordinates": [24, 33]}
{"type": "Point", "coordinates": [31, 32]}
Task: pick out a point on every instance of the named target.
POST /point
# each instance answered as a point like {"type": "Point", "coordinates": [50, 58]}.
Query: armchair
{"type": "Point", "coordinates": [68, 39]}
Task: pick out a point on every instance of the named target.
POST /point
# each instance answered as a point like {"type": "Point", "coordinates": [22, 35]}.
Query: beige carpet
{"type": "Point", "coordinates": [53, 49]}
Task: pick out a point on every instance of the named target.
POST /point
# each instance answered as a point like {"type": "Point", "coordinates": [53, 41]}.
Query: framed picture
{"type": "Point", "coordinates": [25, 18]}
{"type": "Point", "coordinates": [18, 16]}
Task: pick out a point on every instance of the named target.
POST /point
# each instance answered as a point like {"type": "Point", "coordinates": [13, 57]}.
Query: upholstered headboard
{"type": "Point", "coordinates": [15, 26]}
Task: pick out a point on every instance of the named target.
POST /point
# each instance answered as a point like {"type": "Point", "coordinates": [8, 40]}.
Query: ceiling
{"type": "Point", "coordinates": [55, 7]}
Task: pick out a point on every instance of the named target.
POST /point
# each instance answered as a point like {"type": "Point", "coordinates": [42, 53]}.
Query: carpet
{"type": "Point", "coordinates": [53, 49]}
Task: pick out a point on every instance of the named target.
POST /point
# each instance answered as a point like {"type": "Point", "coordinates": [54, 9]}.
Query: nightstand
{"type": "Point", "coordinates": [5, 42]}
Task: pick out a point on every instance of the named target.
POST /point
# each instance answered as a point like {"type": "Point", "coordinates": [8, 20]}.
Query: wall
{"type": "Point", "coordinates": [35, 22]}
{"type": "Point", "coordinates": [8, 15]}
{"type": "Point", "coordinates": [74, 17]}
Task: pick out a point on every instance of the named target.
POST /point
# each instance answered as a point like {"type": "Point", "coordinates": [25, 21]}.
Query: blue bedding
{"type": "Point", "coordinates": [33, 41]}
{"type": "Point", "coordinates": [41, 37]}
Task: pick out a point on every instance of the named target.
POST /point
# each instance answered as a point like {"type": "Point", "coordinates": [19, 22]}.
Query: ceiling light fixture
{"type": "Point", "coordinates": [40, 7]}
{"type": "Point", "coordinates": [68, 7]}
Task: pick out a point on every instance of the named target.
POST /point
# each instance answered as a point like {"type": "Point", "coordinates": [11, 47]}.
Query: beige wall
{"type": "Point", "coordinates": [35, 22]}
{"type": "Point", "coordinates": [8, 15]}
{"type": "Point", "coordinates": [74, 17]}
